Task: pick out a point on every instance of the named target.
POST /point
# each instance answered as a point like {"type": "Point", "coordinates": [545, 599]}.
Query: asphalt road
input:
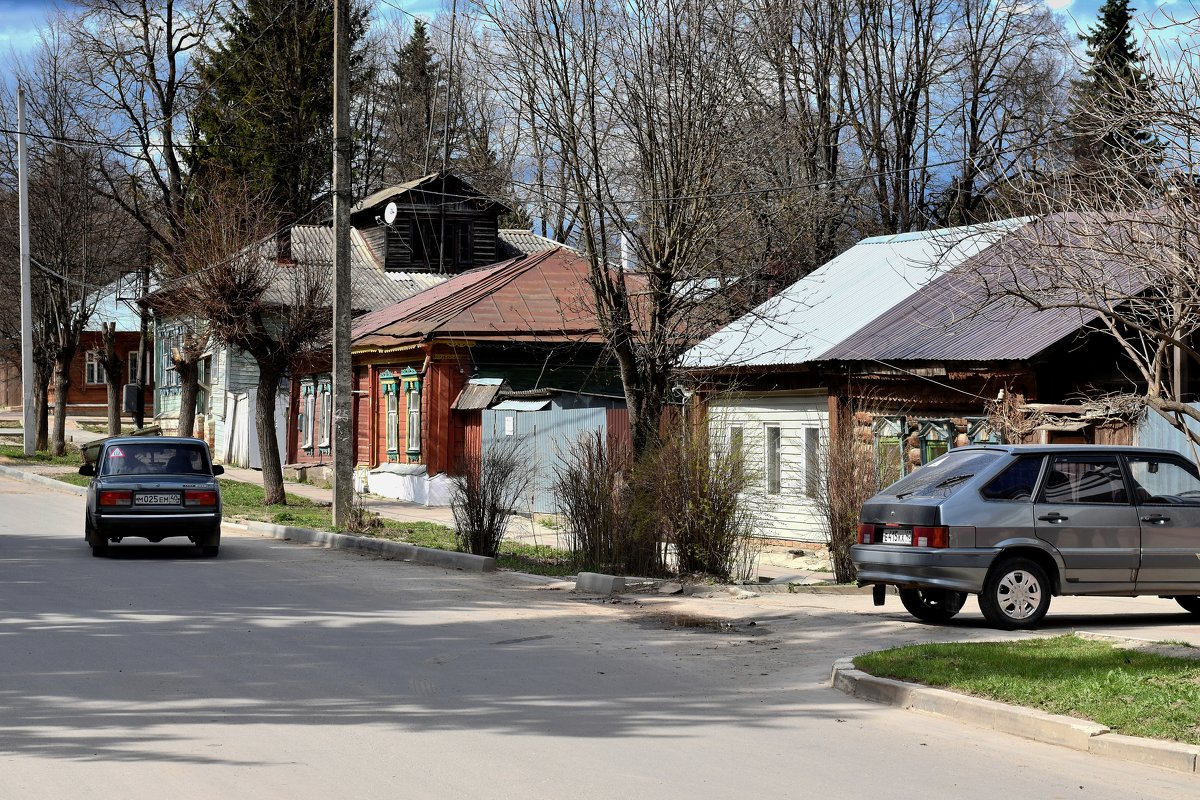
{"type": "Point", "coordinates": [287, 671]}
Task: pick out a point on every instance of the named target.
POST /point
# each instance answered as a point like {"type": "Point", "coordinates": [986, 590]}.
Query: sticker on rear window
{"type": "Point", "coordinates": [116, 452]}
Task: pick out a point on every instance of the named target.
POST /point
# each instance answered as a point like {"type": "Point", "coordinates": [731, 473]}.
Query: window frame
{"type": "Point", "coordinates": [93, 369]}
{"type": "Point", "coordinates": [326, 412]}
{"type": "Point", "coordinates": [812, 461]}
{"type": "Point", "coordinates": [772, 469]}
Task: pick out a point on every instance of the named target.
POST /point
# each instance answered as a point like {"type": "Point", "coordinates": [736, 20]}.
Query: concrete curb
{"type": "Point", "coordinates": [383, 547]}
{"type": "Point", "coordinates": [33, 477]}
{"type": "Point", "coordinates": [1077, 734]}
{"type": "Point", "coordinates": [596, 583]}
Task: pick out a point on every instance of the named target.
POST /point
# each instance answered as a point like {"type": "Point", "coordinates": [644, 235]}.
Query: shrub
{"type": "Point", "coordinates": [485, 492]}
{"type": "Point", "coordinates": [690, 494]}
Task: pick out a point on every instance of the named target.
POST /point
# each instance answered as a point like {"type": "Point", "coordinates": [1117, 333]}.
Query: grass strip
{"type": "Point", "coordinates": [1134, 692]}
{"type": "Point", "coordinates": [16, 453]}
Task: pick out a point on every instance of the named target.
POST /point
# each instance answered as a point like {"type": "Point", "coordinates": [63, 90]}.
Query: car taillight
{"type": "Point", "coordinates": [195, 498]}
{"type": "Point", "coordinates": [931, 537]}
{"type": "Point", "coordinates": [116, 498]}
{"type": "Point", "coordinates": [866, 533]}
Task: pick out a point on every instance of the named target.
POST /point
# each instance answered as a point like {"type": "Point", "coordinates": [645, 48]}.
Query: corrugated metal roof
{"type": "Point", "coordinates": [842, 296]}
{"type": "Point", "coordinates": [477, 394]}
{"type": "Point", "coordinates": [965, 315]}
{"type": "Point", "coordinates": [514, 242]}
{"type": "Point", "coordinates": [117, 302]}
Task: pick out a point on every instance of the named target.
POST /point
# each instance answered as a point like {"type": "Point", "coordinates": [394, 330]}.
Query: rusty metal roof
{"type": "Point", "coordinates": [542, 297]}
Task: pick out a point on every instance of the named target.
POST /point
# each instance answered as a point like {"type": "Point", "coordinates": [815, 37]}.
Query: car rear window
{"type": "Point", "coordinates": [155, 459]}
{"type": "Point", "coordinates": [944, 474]}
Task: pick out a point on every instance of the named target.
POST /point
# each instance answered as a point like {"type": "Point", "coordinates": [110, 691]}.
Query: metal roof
{"type": "Point", "coordinates": [965, 315]}
{"type": "Point", "coordinates": [839, 298]}
{"type": "Point", "coordinates": [117, 303]}
{"type": "Point", "coordinates": [518, 241]}
{"type": "Point", "coordinates": [521, 405]}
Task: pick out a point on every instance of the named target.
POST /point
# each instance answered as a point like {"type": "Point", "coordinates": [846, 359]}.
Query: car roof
{"type": "Point", "coordinates": [175, 440]}
{"type": "Point", "coordinates": [1038, 449]}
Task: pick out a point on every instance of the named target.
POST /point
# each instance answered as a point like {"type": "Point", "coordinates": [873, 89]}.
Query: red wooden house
{"type": "Point", "coordinates": [426, 367]}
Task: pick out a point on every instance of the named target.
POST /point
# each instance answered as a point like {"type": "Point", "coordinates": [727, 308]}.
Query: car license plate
{"type": "Point", "coordinates": [161, 499]}
{"type": "Point", "coordinates": [897, 537]}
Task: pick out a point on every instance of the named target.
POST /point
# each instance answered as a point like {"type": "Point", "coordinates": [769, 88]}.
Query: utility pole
{"type": "Point", "coordinates": [343, 436]}
{"type": "Point", "coordinates": [28, 413]}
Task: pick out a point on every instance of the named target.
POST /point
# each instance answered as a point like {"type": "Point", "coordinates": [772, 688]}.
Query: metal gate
{"type": "Point", "coordinates": [547, 436]}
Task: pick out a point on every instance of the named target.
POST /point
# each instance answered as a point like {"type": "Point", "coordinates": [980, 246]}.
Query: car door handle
{"type": "Point", "coordinates": [1156, 519]}
{"type": "Point", "coordinates": [1053, 516]}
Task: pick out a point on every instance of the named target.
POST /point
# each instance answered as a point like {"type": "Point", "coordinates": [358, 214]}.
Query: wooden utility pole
{"type": "Point", "coordinates": [28, 413]}
{"type": "Point", "coordinates": [343, 436]}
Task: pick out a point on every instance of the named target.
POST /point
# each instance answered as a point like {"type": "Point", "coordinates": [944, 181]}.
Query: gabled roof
{"type": "Point", "coordinates": [370, 287]}
{"type": "Point", "coordinates": [841, 297]}
{"type": "Point", "coordinates": [117, 303]}
{"type": "Point", "coordinates": [464, 191]}
{"type": "Point", "coordinates": [543, 297]}
{"type": "Point", "coordinates": [964, 315]}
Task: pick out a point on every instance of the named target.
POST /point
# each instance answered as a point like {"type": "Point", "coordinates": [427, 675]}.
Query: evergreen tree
{"type": "Point", "coordinates": [1110, 119]}
{"type": "Point", "coordinates": [266, 105]}
{"type": "Point", "coordinates": [414, 107]}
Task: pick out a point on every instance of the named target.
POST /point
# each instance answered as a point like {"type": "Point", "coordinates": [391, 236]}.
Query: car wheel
{"type": "Point", "coordinates": [100, 550]}
{"type": "Point", "coordinates": [210, 550]}
{"type": "Point", "coordinates": [932, 605]}
{"type": "Point", "coordinates": [1015, 595]}
{"type": "Point", "coordinates": [1190, 603]}
{"type": "Point", "coordinates": [210, 545]}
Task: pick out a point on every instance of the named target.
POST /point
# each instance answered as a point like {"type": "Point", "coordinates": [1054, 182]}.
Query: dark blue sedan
{"type": "Point", "coordinates": [153, 487]}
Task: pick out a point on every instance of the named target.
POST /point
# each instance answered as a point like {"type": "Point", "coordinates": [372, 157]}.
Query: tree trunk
{"type": "Point", "coordinates": [269, 377]}
{"type": "Point", "coordinates": [62, 385]}
{"type": "Point", "coordinates": [41, 390]}
{"type": "Point", "coordinates": [189, 389]}
{"type": "Point", "coordinates": [112, 374]}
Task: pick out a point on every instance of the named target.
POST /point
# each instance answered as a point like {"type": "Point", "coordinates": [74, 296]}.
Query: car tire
{"type": "Point", "coordinates": [1016, 594]}
{"type": "Point", "coordinates": [210, 545]}
{"type": "Point", "coordinates": [100, 550]}
{"type": "Point", "coordinates": [1189, 603]}
{"type": "Point", "coordinates": [932, 605]}
{"type": "Point", "coordinates": [98, 543]}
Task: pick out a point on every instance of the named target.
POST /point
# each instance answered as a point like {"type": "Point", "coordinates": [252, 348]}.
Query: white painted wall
{"type": "Point", "coordinates": [790, 514]}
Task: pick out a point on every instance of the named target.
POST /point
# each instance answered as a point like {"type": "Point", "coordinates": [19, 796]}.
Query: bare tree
{"type": "Point", "coordinates": [230, 277]}
{"type": "Point", "coordinates": [634, 101]}
{"type": "Point", "coordinates": [137, 58]}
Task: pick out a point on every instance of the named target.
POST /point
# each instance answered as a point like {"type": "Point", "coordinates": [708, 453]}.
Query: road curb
{"type": "Point", "coordinates": [33, 477]}
{"type": "Point", "coordinates": [385, 547]}
{"type": "Point", "coordinates": [1077, 734]}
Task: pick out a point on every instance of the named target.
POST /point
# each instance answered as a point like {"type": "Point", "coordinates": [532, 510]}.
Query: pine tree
{"type": "Point", "coordinates": [1110, 121]}
{"type": "Point", "coordinates": [266, 107]}
{"type": "Point", "coordinates": [414, 107]}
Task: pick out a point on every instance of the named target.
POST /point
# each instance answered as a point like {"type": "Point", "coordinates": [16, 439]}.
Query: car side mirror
{"type": "Point", "coordinates": [218, 470]}
{"type": "Point", "coordinates": [87, 469]}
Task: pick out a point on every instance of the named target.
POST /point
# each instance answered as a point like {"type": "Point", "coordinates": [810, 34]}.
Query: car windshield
{"type": "Point", "coordinates": [155, 458]}
{"type": "Point", "coordinates": [944, 474]}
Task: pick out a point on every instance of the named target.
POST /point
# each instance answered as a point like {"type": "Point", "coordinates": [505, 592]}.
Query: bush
{"type": "Point", "coordinates": [485, 492]}
{"type": "Point", "coordinates": [850, 479]}
{"type": "Point", "coordinates": [690, 495]}
{"type": "Point", "coordinates": [594, 502]}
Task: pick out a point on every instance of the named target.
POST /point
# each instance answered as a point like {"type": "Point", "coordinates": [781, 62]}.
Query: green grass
{"type": "Point", "coordinates": [537, 559]}
{"type": "Point", "coordinates": [1134, 692]}
{"type": "Point", "coordinates": [16, 452]}
{"type": "Point", "coordinates": [102, 427]}
{"type": "Point", "coordinates": [72, 478]}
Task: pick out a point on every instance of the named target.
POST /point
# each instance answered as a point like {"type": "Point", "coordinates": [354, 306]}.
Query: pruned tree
{"type": "Point", "coordinates": [233, 277]}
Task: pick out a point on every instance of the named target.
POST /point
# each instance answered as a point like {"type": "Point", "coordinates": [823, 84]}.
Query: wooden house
{"type": "Point", "coordinates": [899, 335]}
{"type": "Point", "coordinates": [427, 368]}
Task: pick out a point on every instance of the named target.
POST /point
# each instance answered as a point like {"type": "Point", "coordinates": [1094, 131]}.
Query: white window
{"type": "Point", "coordinates": [307, 424]}
{"type": "Point", "coordinates": [171, 341]}
{"type": "Point", "coordinates": [737, 441]}
{"type": "Point", "coordinates": [412, 399]}
{"type": "Point", "coordinates": [812, 462]}
{"type": "Point", "coordinates": [393, 422]}
{"type": "Point", "coordinates": [326, 415]}
{"type": "Point", "coordinates": [93, 370]}
{"type": "Point", "coordinates": [773, 470]}
{"type": "Point", "coordinates": [133, 366]}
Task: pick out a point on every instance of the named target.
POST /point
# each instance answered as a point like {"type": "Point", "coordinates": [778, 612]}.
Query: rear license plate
{"type": "Point", "coordinates": [161, 499]}
{"type": "Point", "coordinates": [897, 537]}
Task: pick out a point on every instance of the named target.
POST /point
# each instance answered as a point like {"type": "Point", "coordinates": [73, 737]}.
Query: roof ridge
{"type": "Point", "coordinates": [488, 285]}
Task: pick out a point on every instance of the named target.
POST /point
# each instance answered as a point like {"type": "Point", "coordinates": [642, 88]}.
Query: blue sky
{"type": "Point", "coordinates": [21, 19]}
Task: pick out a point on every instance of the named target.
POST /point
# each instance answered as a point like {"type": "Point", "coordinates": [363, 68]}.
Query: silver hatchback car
{"type": "Point", "coordinates": [1017, 524]}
